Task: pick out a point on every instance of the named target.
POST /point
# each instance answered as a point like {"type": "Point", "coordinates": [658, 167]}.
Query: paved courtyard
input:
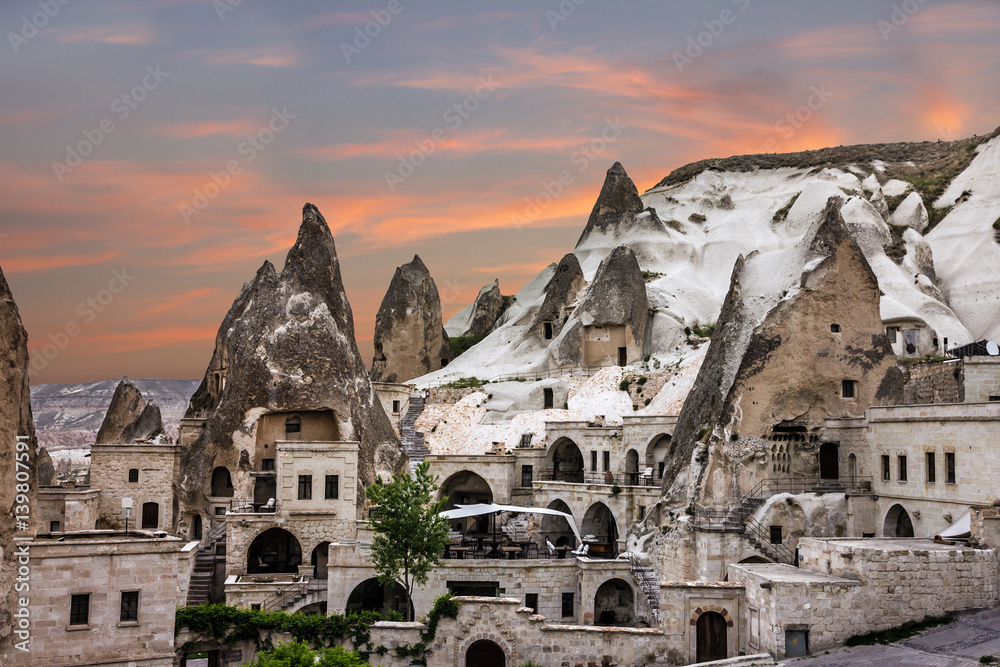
{"type": "Point", "coordinates": [961, 643]}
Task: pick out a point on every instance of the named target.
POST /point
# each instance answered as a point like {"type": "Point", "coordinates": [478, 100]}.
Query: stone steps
{"type": "Point", "coordinates": [413, 441]}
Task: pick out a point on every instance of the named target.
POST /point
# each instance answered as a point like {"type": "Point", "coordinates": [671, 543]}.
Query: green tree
{"type": "Point", "coordinates": [297, 654]}
{"type": "Point", "coordinates": [410, 533]}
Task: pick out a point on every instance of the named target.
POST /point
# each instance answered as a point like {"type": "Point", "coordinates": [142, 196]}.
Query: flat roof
{"type": "Point", "coordinates": [893, 543]}
{"type": "Point", "coordinates": [780, 573]}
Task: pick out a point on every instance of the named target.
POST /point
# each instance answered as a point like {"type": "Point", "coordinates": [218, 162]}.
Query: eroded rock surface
{"type": "Point", "coordinates": [15, 421]}
{"type": "Point", "coordinates": [130, 417]}
{"type": "Point", "coordinates": [561, 291]}
{"type": "Point", "coordinates": [286, 344]}
{"type": "Point", "coordinates": [487, 310]}
{"type": "Point", "coordinates": [410, 339]}
{"type": "Point", "coordinates": [616, 206]}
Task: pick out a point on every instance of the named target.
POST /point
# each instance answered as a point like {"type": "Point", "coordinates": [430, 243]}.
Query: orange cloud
{"type": "Point", "coordinates": [130, 341]}
{"type": "Point", "coordinates": [259, 57]}
{"type": "Point", "coordinates": [120, 34]}
{"type": "Point", "coordinates": [179, 301]}
{"type": "Point", "coordinates": [43, 262]}
{"type": "Point", "coordinates": [200, 129]}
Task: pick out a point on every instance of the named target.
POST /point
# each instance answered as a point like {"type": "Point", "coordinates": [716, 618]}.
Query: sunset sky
{"type": "Point", "coordinates": [115, 116]}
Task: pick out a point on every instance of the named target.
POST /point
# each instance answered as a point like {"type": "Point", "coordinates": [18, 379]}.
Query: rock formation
{"type": "Point", "coordinates": [485, 311]}
{"type": "Point", "coordinates": [44, 468]}
{"type": "Point", "coordinates": [616, 206]}
{"type": "Point", "coordinates": [561, 290]}
{"type": "Point", "coordinates": [410, 339]}
{"type": "Point", "coordinates": [287, 343]}
{"type": "Point", "coordinates": [15, 423]}
{"type": "Point", "coordinates": [616, 297]}
{"type": "Point", "coordinates": [795, 326]}
{"type": "Point", "coordinates": [130, 417]}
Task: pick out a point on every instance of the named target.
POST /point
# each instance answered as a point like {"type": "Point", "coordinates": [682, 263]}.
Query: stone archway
{"type": "Point", "coordinates": [897, 523]}
{"type": "Point", "coordinates": [600, 522]}
{"type": "Point", "coordinates": [274, 551]}
{"type": "Point", "coordinates": [632, 467]}
{"type": "Point", "coordinates": [370, 595]}
{"type": "Point", "coordinates": [485, 653]}
{"type": "Point", "coordinates": [319, 557]}
{"type": "Point", "coordinates": [829, 461]}
{"type": "Point", "coordinates": [658, 451]}
{"type": "Point", "coordinates": [614, 604]}
{"type": "Point", "coordinates": [557, 528]}
{"type": "Point", "coordinates": [566, 460]}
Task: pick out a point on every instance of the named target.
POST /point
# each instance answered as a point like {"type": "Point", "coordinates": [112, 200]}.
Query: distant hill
{"type": "Point", "coordinates": [68, 416]}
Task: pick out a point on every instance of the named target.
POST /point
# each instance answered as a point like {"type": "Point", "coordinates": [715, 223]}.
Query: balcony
{"type": "Point", "coordinates": [595, 477]}
{"type": "Point", "coordinates": [249, 506]}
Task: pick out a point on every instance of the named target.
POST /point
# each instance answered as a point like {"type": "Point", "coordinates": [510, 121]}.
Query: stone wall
{"type": "Point", "coordinates": [157, 466]}
{"type": "Point", "coordinates": [682, 603]}
{"type": "Point", "coordinates": [498, 471]}
{"type": "Point", "coordinates": [74, 508]}
{"type": "Point", "coordinates": [103, 565]}
{"type": "Point", "coordinates": [969, 431]}
{"type": "Point", "coordinates": [449, 395]}
{"type": "Point", "coordinates": [934, 382]}
{"type": "Point", "coordinates": [982, 378]}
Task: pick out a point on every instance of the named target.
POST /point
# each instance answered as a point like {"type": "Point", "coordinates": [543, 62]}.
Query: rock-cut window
{"type": "Point", "coordinates": [133, 475]}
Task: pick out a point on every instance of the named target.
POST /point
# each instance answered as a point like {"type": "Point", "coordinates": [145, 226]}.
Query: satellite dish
{"type": "Point", "coordinates": [992, 349]}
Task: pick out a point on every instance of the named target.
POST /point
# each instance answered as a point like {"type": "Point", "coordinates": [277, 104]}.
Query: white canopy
{"type": "Point", "coordinates": [463, 511]}
{"type": "Point", "coordinates": [959, 529]}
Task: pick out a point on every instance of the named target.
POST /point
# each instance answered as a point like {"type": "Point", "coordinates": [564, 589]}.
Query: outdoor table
{"type": "Point", "coordinates": [511, 551]}
{"type": "Point", "coordinates": [461, 551]}
{"type": "Point", "coordinates": [561, 551]}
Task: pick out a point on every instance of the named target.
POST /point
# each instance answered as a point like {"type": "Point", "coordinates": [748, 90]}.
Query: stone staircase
{"type": "Point", "coordinates": [645, 577]}
{"type": "Point", "coordinates": [200, 586]}
{"type": "Point", "coordinates": [413, 441]}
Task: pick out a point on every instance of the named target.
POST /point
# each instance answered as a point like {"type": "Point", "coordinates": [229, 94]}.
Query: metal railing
{"type": "Point", "coordinates": [528, 376]}
{"type": "Point", "coordinates": [248, 506]}
{"type": "Point", "coordinates": [217, 532]}
{"type": "Point", "coordinates": [782, 553]}
{"type": "Point", "coordinates": [279, 599]}
{"type": "Point", "coordinates": [595, 477]}
{"type": "Point", "coordinates": [649, 587]}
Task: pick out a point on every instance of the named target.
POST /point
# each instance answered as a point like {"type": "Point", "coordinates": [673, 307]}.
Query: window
{"type": "Point", "coordinates": [220, 511]}
{"type": "Point", "coordinates": [931, 472]}
{"type": "Point", "coordinates": [531, 602]}
{"type": "Point", "coordinates": [395, 407]}
{"type": "Point", "coordinates": [130, 606]}
{"type": "Point", "coordinates": [847, 388]}
{"type": "Point", "coordinates": [834, 328]}
{"type": "Point", "coordinates": [305, 487]}
{"type": "Point", "coordinates": [949, 467]}
{"type": "Point", "coordinates": [332, 487]}
{"type": "Point", "coordinates": [593, 461]}
{"type": "Point", "coordinates": [54, 526]}
{"type": "Point", "coordinates": [567, 605]}
{"type": "Point", "coordinates": [890, 333]}
{"type": "Point", "coordinates": [607, 461]}
{"type": "Point", "coordinates": [293, 425]}
{"type": "Point", "coordinates": [886, 472]}
{"type": "Point", "coordinates": [266, 465]}
{"type": "Point", "coordinates": [548, 330]}
{"type": "Point", "coordinates": [526, 476]}
{"type": "Point", "coordinates": [547, 398]}
{"type": "Point", "coordinates": [255, 606]}
{"type": "Point", "coordinates": [902, 468]}
{"type": "Point", "coordinates": [79, 609]}
{"type": "Point", "coordinates": [661, 467]}
{"type": "Point", "coordinates": [642, 512]}
{"type": "Point", "coordinates": [775, 534]}
{"type": "Point", "coordinates": [133, 476]}
{"type": "Point", "coordinates": [444, 362]}
{"type": "Point", "coordinates": [526, 439]}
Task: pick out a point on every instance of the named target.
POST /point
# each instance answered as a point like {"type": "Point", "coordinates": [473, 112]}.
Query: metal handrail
{"type": "Point", "coordinates": [645, 586]}
{"type": "Point", "coordinates": [217, 532]}
{"type": "Point", "coordinates": [594, 477]}
{"type": "Point", "coordinates": [277, 599]}
{"type": "Point", "coordinates": [533, 375]}
{"type": "Point", "coordinates": [783, 553]}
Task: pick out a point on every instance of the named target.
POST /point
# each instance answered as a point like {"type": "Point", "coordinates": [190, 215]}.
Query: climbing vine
{"type": "Point", "coordinates": [444, 606]}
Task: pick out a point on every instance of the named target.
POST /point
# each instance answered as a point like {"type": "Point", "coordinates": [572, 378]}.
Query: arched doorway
{"type": "Point", "coordinates": [600, 523]}
{"type": "Point", "coordinates": [567, 461]}
{"type": "Point", "coordinates": [222, 483]}
{"type": "Point", "coordinates": [468, 488]}
{"type": "Point", "coordinates": [711, 633]}
{"type": "Point", "coordinates": [829, 460]}
{"type": "Point", "coordinates": [852, 468]}
{"type": "Point", "coordinates": [614, 604]}
{"type": "Point", "coordinates": [274, 551]}
{"type": "Point", "coordinates": [196, 527]}
{"type": "Point", "coordinates": [150, 516]}
{"type": "Point", "coordinates": [897, 523]}
{"type": "Point", "coordinates": [657, 452]}
{"type": "Point", "coordinates": [556, 528]}
{"type": "Point", "coordinates": [632, 467]}
{"type": "Point", "coordinates": [484, 653]}
{"type": "Point", "coordinates": [319, 560]}
{"type": "Point", "coordinates": [370, 595]}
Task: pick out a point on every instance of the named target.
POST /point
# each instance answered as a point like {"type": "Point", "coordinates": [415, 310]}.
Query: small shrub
{"type": "Point", "coordinates": [703, 330]}
{"type": "Point", "coordinates": [642, 379]}
{"type": "Point", "coordinates": [987, 660]}
{"type": "Point", "coordinates": [702, 432]}
{"type": "Point", "coordinates": [673, 224]}
{"type": "Point", "coordinates": [651, 275]}
{"type": "Point", "coordinates": [697, 218]}
{"type": "Point", "coordinates": [647, 401]}
{"type": "Point", "coordinates": [996, 231]}
{"type": "Point", "coordinates": [466, 383]}
{"type": "Point", "coordinates": [460, 344]}
{"type": "Point", "coordinates": [623, 386]}
{"type": "Point", "coordinates": [898, 633]}
{"type": "Point", "coordinates": [782, 213]}
{"type": "Point", "coordinates": [615, 490]}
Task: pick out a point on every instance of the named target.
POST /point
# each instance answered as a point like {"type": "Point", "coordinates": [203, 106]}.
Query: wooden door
{"type": "Point", "coordinates": [150, 516]}
{"type": "Point", "coordinates": [711, 639]}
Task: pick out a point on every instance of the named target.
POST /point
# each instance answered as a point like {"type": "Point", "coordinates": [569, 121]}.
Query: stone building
{"type": "Point", "coordinates": [106, 598]}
